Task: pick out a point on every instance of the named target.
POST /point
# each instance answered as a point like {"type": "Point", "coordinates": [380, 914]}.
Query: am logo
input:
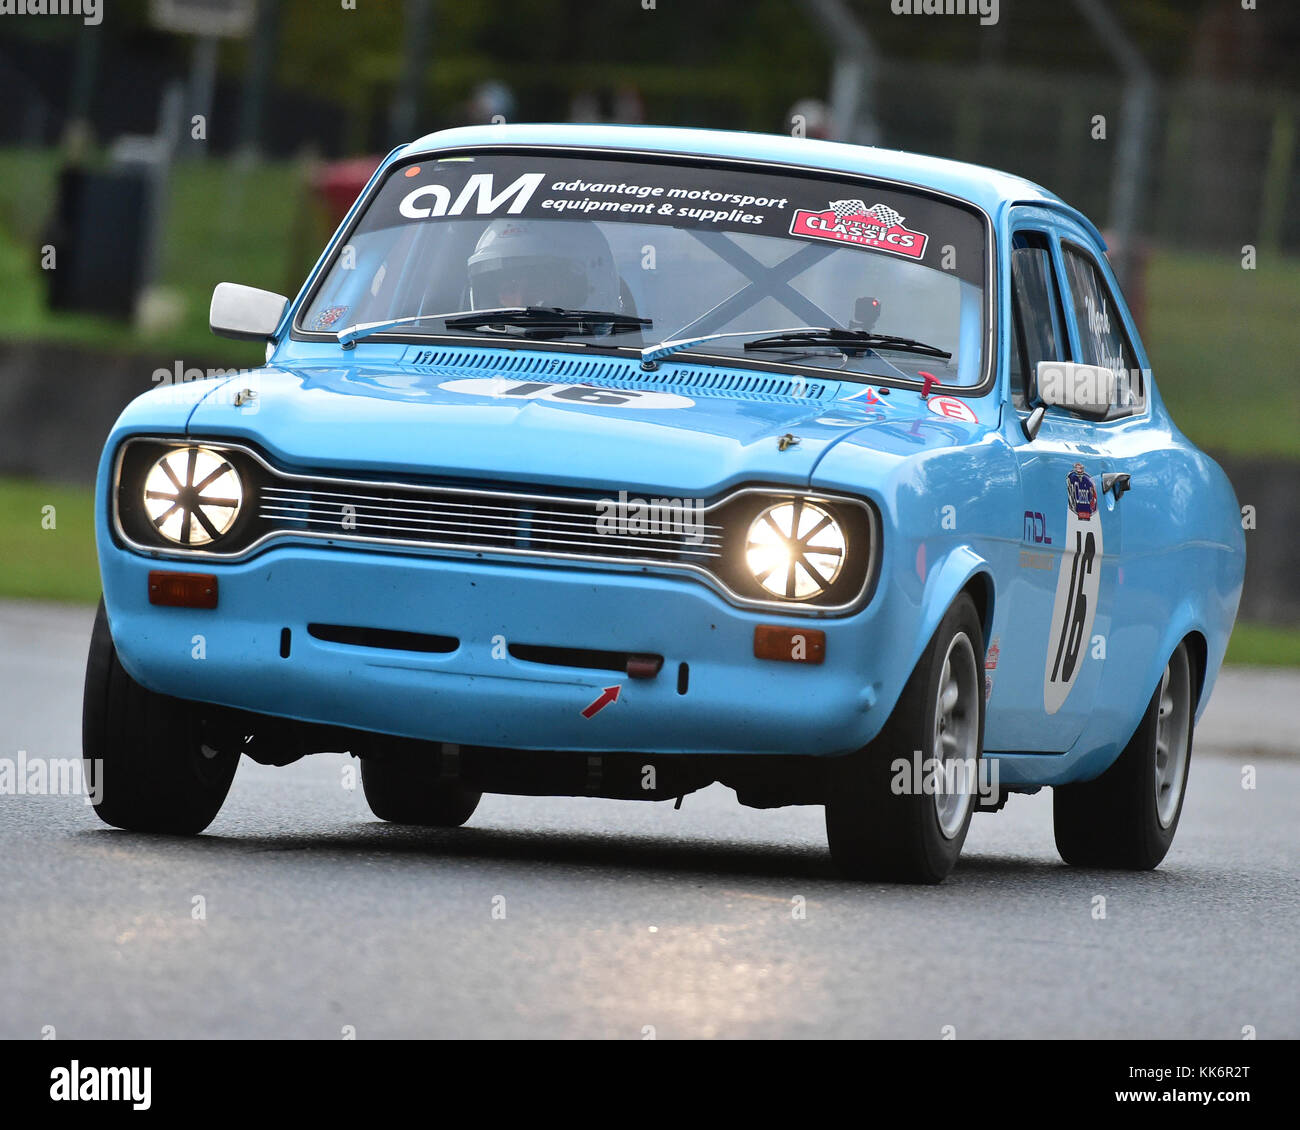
{"type": "Point", "coordinates": [435, 199]}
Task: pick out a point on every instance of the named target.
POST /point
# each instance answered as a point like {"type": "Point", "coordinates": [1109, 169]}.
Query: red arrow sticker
{"type": "Point", "coordinates": [608, 695]}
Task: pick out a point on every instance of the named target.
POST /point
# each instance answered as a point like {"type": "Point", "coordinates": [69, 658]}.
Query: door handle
{"type": "Point", "coordinates": [1117, 483]}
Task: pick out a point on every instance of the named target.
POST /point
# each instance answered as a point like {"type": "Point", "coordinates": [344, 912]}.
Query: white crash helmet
{"type": "Point", "coordinates": [543, 263]}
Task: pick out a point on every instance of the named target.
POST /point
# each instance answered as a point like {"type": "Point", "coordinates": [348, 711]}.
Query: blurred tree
{"type": "Point", "coordinates": [1049, 34]}
{"type": "Point", "coordinates": [547, 51]}
{"type": "Point", "coordinates": [708, 62]}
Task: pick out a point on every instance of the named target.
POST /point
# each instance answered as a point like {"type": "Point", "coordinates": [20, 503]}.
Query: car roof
{"type": "Point", "coordinates": [988, 188]}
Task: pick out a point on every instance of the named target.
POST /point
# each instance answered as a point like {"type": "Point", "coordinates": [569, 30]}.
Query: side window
{"type": "Point", "coordinates": [1102, 340]}
{"type": "Point", "coordinates": [1037, 325]}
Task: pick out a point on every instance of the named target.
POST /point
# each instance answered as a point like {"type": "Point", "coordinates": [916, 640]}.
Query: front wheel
{"type": "Point", "coordinates": [1127, 817]}
{"type": "Point", "coordinates": [144, 753]}
{"type": "Point", "coordinates": [902, 806]}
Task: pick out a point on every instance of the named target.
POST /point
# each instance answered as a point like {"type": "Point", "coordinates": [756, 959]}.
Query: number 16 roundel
{"type": "Point", "coordinates": [1077, 585]}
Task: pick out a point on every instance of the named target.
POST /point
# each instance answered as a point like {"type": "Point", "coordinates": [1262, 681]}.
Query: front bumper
{"type": "Point", "coordinates": [480, 695]}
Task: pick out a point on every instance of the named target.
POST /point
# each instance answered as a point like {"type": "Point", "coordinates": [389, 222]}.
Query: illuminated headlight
{"type": "Point", "coordinates": [192, 495]}
{"type": "Point", "coordinates": [795, 550]}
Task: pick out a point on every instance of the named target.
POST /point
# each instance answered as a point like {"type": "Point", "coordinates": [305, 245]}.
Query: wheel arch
{"type": "Point", "coordinates": [1198, 650]}
{"type": "Point", "coordinates": [1183, 628]}
{"type": "Point", "coordinates": [981, 590]}
{"type": "Point", "coordinates": [962, 570]}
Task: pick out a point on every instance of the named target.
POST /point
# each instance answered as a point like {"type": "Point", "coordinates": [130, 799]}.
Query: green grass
{"type": "Point", "coordinates": [1225, 350]}
{"type": "Point", "coordinates": [1263, 645]}
{"type": "Point", "coordinates": [225, 223]}
{"type": "Point", "coordinates": [27, 182]}
{"type": "Point", "coordinates": [55, 563]}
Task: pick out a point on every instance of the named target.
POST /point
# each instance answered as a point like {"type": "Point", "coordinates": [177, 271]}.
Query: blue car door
{"type": "Point", "coordinates": [1132, 487]}
{"type": "Point", "coordinates": [1045, 668]}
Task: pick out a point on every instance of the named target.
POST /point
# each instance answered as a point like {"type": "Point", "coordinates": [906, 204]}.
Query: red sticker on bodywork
{"type": "Point", "coordinates": [952, 408]}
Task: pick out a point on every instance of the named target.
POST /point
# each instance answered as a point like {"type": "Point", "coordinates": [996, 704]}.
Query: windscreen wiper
{"type": "Point", "coordinates": [548, 320]}
{"type": "Point", "coordinates": [857, 341]}
{"type": "Point", "coordinates": [848, 341]}
{"type": "Point", "coordinates": [349, 337]}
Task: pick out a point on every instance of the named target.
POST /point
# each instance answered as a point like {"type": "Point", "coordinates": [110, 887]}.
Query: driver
{"type": "Point", "coordinates": [566, 263]}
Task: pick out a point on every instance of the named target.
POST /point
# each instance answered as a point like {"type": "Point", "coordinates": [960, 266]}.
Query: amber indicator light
{"type": "Point", "coordinates": [792, 645]}
{"type": "Point", "coordinates": [183, 590]}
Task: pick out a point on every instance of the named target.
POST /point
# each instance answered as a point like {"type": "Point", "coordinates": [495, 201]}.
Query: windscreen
{"type": "Point", "coordinates": [691, 249]}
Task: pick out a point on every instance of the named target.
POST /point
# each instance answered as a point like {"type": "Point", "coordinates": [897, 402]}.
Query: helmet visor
{"type": "Point", "coordinates": [528, 282]}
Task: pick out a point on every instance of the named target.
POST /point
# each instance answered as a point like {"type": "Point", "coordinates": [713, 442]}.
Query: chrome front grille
{"type": "Point", "coordinates": [491, 521]}
{"type": "Point", "coordinates": [539, 524]}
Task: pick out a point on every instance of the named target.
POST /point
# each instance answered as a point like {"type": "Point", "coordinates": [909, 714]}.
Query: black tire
{"type": "Point", "coordinates": [876, 833]}
{"type": "Point", "coordinates": [1114, 821]}
{"type": "Point", "coordinates": [408, 789]}
{"type": "Point", "coordinates": [144, 752]}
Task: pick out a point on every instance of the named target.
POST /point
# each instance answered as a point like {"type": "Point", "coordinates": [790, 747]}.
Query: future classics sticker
{"type": "Point", "coordinates": [879, 227]}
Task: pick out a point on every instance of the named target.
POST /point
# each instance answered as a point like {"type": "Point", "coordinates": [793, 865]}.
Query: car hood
{"type": "Point", "coordinates": [692, 429]}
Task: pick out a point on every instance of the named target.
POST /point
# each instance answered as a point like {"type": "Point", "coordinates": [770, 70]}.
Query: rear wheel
{"type": "Point", "coordinates": [902, 806]}
{"type": "Point", "coordinates": [1127, 817]}
{"type": "Point", "coordinates": [144, 753]}
{"type": "Point", "coordinates": [409, 789]}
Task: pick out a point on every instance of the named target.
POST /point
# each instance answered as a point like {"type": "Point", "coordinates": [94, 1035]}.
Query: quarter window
{"type": "Point", "coordinates": [1038, 327]}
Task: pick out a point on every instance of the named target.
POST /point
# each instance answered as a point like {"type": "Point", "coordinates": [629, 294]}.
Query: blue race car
{"type": "Point", "coordinates": [620, 461]}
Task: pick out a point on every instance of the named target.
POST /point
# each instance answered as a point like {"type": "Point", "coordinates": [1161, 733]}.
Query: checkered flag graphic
{"type": "Point", "coordinates": [881, 213]}
{"type": "Point", "coordinates": [886, 216]}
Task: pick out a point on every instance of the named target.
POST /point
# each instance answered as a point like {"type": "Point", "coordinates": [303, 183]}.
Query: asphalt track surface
{"type": "Point", "coordinates": [590, 918]}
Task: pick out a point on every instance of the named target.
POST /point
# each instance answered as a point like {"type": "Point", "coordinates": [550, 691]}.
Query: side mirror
{"type": "Point", "coordinates": [244, 312]}
{"type": "Point", "coordinates": [1086, 390]}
